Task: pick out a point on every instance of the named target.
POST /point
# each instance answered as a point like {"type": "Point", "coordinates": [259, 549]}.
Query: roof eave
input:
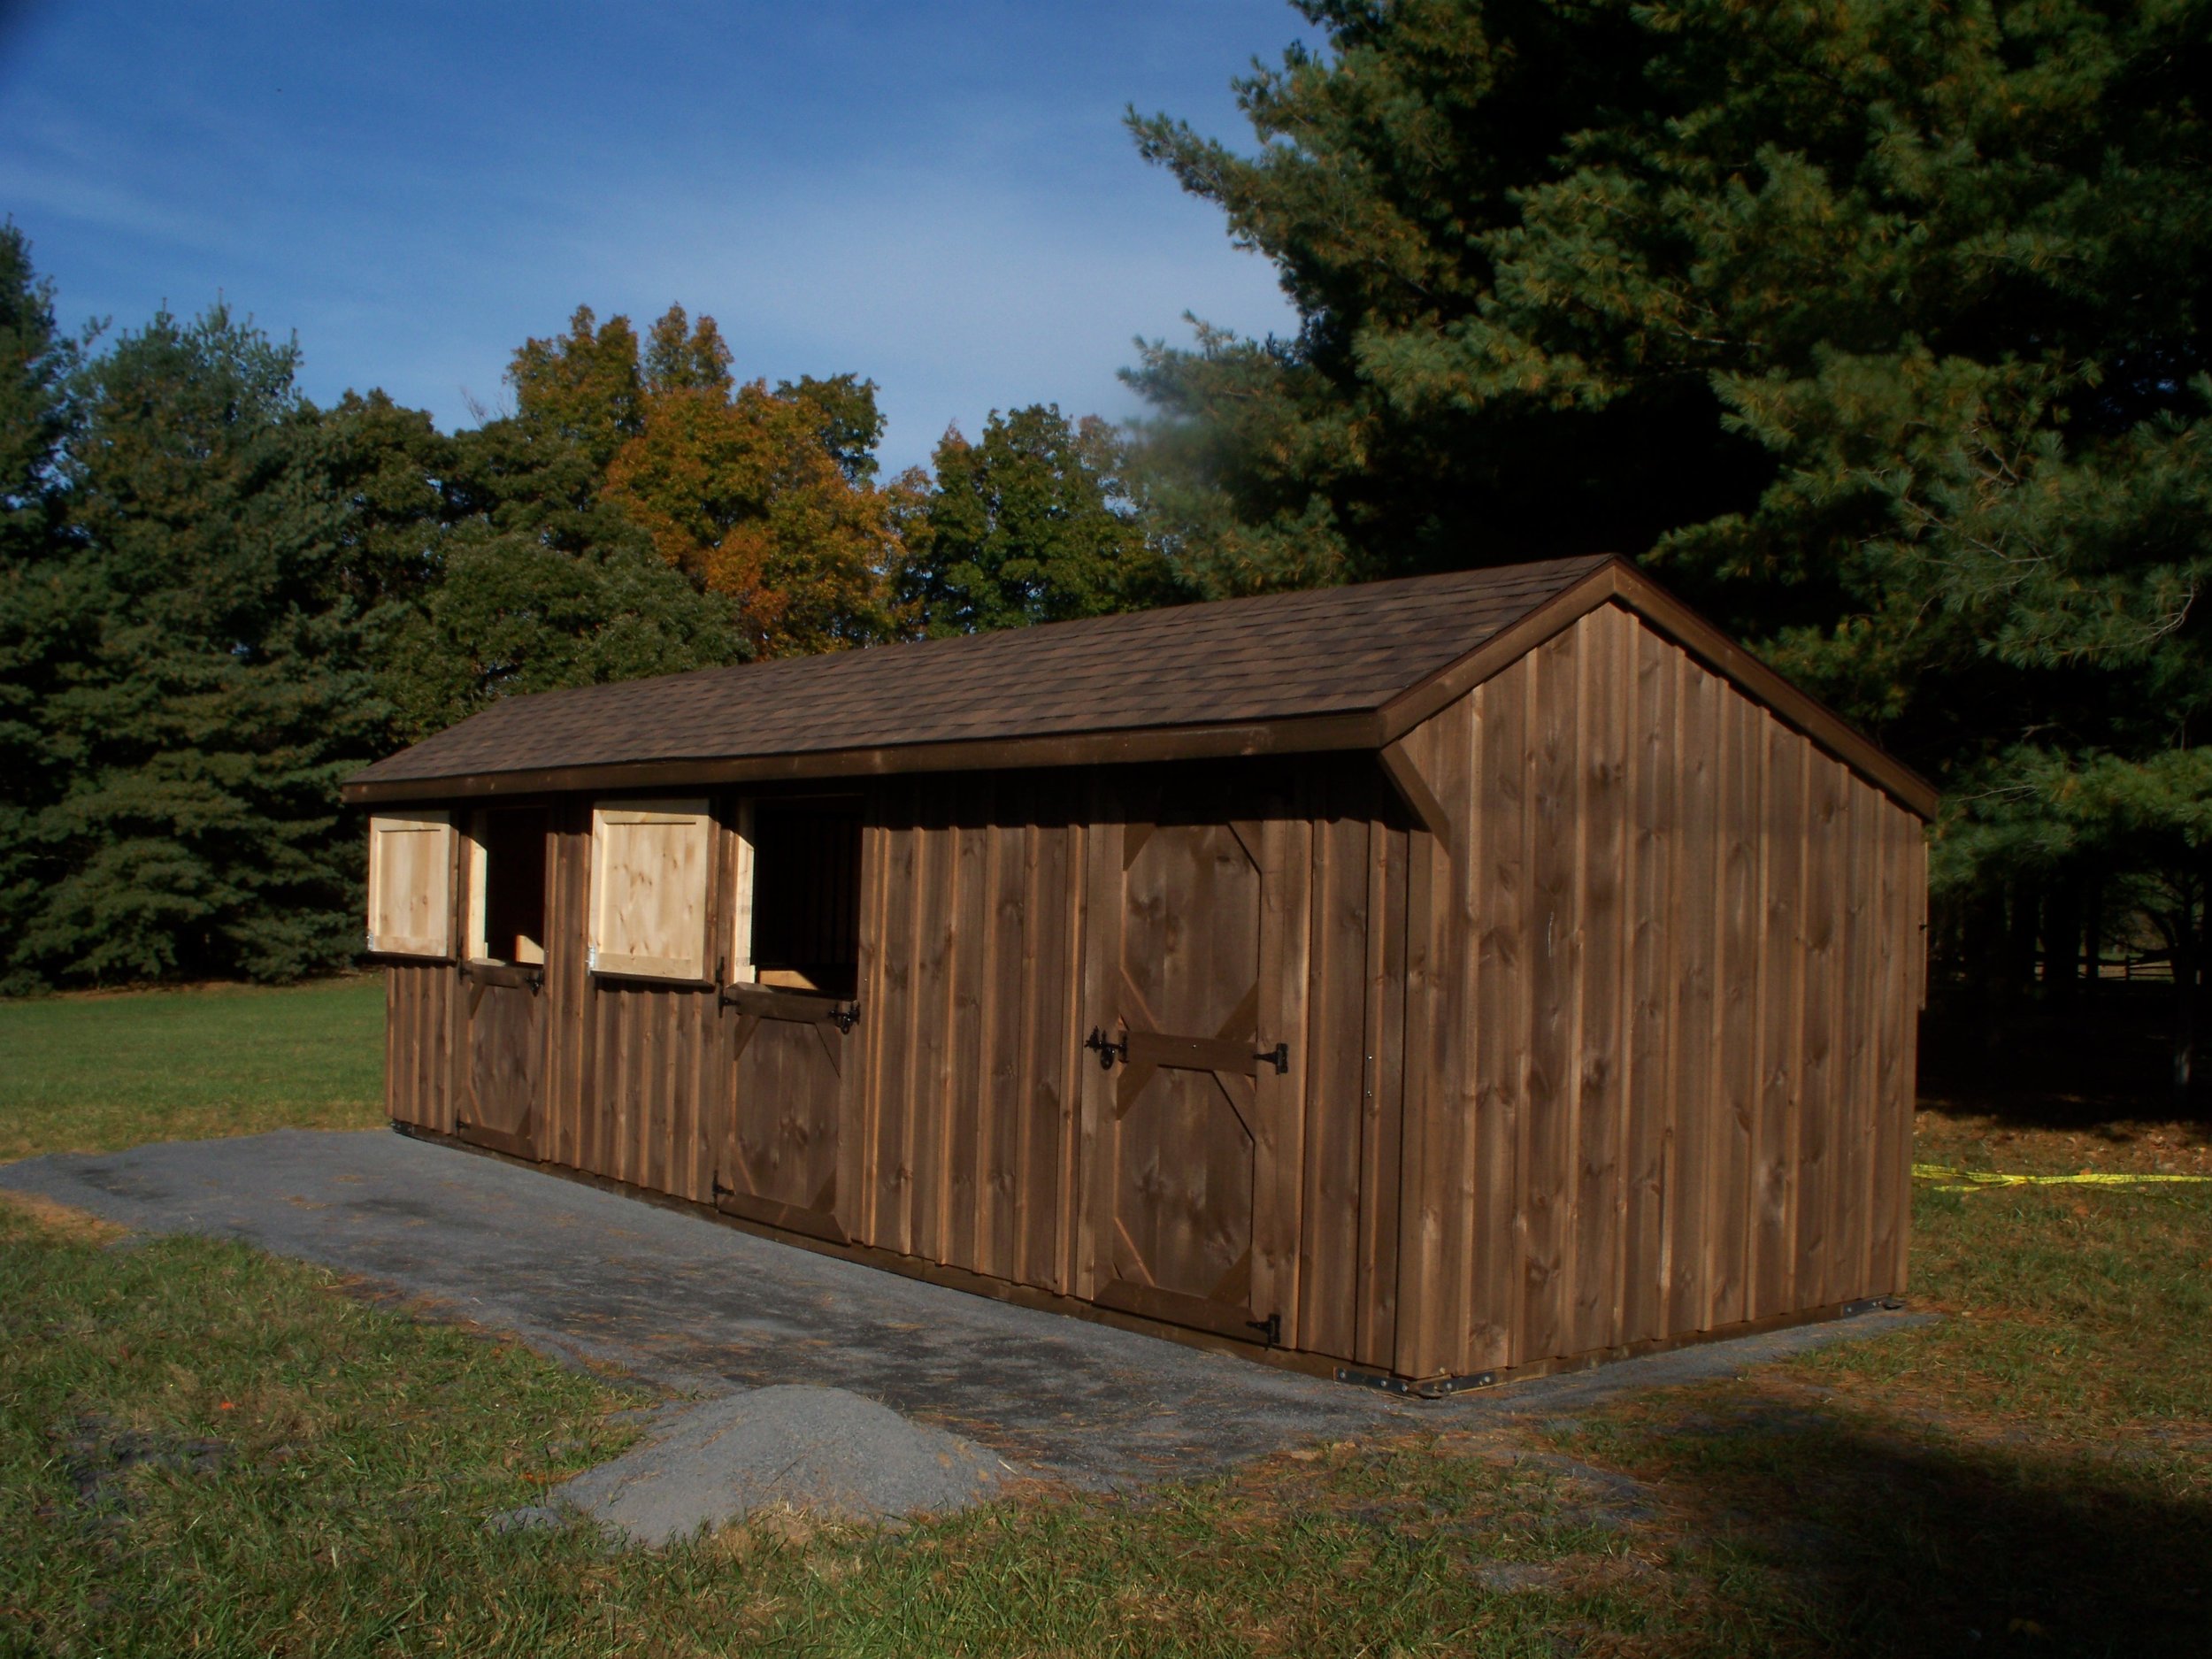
{"type": "Point", "coordinates": [1614, 581]}
{"type": "Point", "coordinates": [1301, 734]}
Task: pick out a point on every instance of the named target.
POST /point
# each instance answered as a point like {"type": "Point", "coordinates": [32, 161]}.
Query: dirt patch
{"type": "Point", "coordinates": [80, 1226]}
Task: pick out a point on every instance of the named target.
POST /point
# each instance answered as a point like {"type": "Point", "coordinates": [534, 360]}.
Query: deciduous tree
{"type": "Point", "coordinates": [1033, 523]}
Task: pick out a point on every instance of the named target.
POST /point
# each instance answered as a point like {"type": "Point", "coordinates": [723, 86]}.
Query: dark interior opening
{"type": "Point", "coordinates": [806, 894]}
{"type": "Point", "coordinates": [513, 840]}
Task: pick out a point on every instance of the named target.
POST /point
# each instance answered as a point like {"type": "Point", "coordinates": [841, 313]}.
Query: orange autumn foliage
{"type": "Point", "coordinates": [764, 495]}
{"type": "Point", "coordinates": [739, 490]}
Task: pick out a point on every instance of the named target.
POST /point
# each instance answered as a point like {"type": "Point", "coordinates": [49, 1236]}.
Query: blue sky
{"type": "Point", "coordinates": [940, 197]}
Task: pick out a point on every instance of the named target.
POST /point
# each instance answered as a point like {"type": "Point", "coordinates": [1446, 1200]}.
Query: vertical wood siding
{"type": "Point", "coordinates": [969, 1106]}
{"type": "Point", "coordinates": [1626, 1053]}
{"type": "Point", "coordinates": [1672, 961]}
{"type": "Point", "coordinates": [420, 1005]}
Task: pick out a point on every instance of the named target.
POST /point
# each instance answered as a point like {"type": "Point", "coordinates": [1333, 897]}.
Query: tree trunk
{"type": "Point", "coordinates": [2092, 936]}
{"type": "Point", "coordinates": [2188, 930]}
{"type": "Point", "coordinates": [2061, 944]}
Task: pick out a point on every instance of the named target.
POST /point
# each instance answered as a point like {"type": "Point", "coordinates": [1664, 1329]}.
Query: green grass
{"type": "Point", "coordinates": [96, 1073]}
{"type": "Point", "coordinates": [352, 1456]}
{"type": "Point", "coordinates": [206, 1450]}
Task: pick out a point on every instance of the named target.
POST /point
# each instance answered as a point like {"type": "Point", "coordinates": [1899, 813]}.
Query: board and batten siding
{"type": "Point", "coordinates": [972, 1033]}
{"type": "Point", "coordinates": [1616, 1045]}
{"type": "Point", "coordinates": [1660, 1045]}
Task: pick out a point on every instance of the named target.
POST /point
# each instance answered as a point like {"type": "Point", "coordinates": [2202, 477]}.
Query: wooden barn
{"type": "Point", "coordinates": [1423, 981]}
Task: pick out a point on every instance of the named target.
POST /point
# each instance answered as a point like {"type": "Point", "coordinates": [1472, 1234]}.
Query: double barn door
{"type": "Point", "coordinates": [1195, 1068]}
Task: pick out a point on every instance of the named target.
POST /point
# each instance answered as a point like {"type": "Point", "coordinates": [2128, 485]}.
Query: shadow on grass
{"type": "Point", "coordinates": [1866, 1541]}
{"type": "Point", "coordinates": [2104, 1057]}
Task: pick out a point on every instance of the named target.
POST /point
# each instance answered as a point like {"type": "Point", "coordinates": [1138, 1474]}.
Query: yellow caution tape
{"type": "Point", "coordinates": [1974, 1180]}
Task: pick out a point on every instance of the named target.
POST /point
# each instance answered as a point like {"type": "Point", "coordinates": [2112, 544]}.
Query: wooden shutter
{"type": "Point", "coordinates": [411, 884]}
{"type": "Point", "coordinates": [742, 970]}
{"type": "Point", "coordinates": [648, 888]}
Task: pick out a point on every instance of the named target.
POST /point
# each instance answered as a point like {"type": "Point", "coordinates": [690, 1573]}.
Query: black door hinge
{"type": "Point", "coordinates": [1279, 1057]}
{"type": "Point", "coordinates": [1107, 1052]}
{"type": "Point", "coordinates": [846, 1017]}
{"type": "Point", "coordinates": [1271, 1327]}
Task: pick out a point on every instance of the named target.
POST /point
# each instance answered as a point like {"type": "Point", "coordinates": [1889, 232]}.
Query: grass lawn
{"type": "Point", "coordinates": [94, 1073]}
{"type": "Point", "coordinates": [204, 1449]}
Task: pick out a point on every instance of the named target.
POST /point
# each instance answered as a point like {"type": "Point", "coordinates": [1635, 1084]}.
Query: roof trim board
{"type": "Point", "coordinates": [1619, 581]}
{"type": "Point", "coordinates": [1614, 582]}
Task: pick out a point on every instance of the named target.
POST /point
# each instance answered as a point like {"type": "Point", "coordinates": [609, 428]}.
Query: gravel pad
{"type": "Point", "coordinates": [824, 1450]}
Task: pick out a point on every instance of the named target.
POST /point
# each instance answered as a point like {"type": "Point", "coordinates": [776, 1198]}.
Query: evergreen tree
{"type": "Point", "coordinates": [1880, 326]}
{"type": "Point", "coordinates": [198, 688]}
{"type": "Point", "coordinates": [1035, 523]}
{"type": "Point", "coordinates": [37, 639]}
{"type": "Point", "coordinates": [35, 362]}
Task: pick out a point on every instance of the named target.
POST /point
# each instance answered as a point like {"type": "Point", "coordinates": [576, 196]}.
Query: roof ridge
{"type": "Point", "coordinates": [1331, 654]}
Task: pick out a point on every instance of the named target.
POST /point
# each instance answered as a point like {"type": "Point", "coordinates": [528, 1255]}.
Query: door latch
{"type": "Point", "coordinates": [1271, 1327]}
{"type": "Point", "coordinates": [1108, 1051]}
{"type": "Point", "coordinates": [1279, 1057]}
{"type": "Point", "coordinates": [846, 1016]}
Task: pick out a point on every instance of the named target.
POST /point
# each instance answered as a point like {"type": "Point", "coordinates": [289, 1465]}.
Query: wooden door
{"type": "Point", "coordinates": [503, 1056]}
{"type": "Point", "coordinates": [789, 1057]}
{"type": "Point", "coordinates": [1193, 1083]}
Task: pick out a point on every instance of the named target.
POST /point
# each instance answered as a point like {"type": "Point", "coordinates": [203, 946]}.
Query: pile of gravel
{"type": "Point", "coordinates": [827, 1451]}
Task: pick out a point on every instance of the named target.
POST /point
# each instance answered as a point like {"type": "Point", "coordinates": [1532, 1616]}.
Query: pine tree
{"type": "Point", "coordinates": [39, 629]}
{"type": "Point", "coordinates": [1879, 327]}
{"type": "Point", "coordinates": [200, 680]}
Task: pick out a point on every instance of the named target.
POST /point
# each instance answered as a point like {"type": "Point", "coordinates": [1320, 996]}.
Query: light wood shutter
{"type": "Point", "coordinates": [648, 888]}
{"type": "Point", "coordinates": [742, 901]}
{"type": "Point", "coordinates": [411, 884]}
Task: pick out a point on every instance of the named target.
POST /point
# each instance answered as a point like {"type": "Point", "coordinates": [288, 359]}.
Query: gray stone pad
{"type": "Point", "coordinates": [827, 1451]}
{"type": "Point", "coordinates": [704, 1310]}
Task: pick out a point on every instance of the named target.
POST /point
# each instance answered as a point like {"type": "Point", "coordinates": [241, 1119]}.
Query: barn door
{"type": "Point", "coordinates": [789, 1017]}
{"type": "Point", "coordinates": [1192, 1081]}
{"type": "Point", "coordinates": [502, 1055]}
{"type": "Point", "coordinates": [790, 1055]}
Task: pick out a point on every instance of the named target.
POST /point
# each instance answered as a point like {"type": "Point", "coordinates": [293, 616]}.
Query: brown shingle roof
{"type": "Point", "coordinates": [1280, 657]}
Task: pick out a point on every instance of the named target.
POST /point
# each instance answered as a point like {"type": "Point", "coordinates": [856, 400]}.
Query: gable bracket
{"type": "Point", "coordinates": [1413, 789]}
